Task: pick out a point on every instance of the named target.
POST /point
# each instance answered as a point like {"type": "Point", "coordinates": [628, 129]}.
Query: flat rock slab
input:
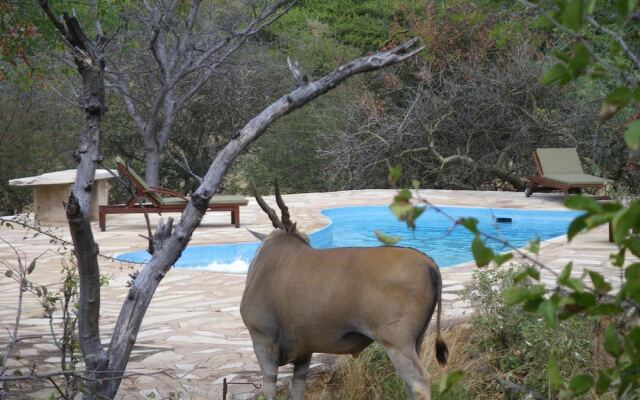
{"type": "Point", "coordinates": [58, 178]}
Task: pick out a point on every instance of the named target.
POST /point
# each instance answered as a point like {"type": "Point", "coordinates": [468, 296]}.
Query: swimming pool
{"type": "Point", "coordinates": [354, 226]}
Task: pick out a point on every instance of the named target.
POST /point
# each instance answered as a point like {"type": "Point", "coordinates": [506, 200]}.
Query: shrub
{"type": "Point", "coordinates": [515, 345]}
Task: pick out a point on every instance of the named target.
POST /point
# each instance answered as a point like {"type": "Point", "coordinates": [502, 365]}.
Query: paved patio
{"type": "Point", "coordinates": [192, 336]}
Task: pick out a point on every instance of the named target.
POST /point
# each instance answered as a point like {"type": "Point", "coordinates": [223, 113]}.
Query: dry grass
{"type": "Point", "coordinates": [372, 377]}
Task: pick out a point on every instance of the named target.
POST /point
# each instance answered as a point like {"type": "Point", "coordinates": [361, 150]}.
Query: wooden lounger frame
{"type": "Point", "coordinates": [540, 183]}
{"type": "Point", "coordinates": [153, 206]}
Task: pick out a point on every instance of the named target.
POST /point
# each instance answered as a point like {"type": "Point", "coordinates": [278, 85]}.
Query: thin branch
{"type": "Point", "coordinates": [62, 241]}
{"type": "Point", "coordinates": [44, 4]}
{"type": "Point", "coordinates": [184, 165]}
{"type": "Point", "coordinates": [619, 38]}
{"type": "Point", "coordinates": [627, 304]}
{"type": "Point", "coordinates": [65, 98]}
{"type": "Point", "coordinates": [14, 336]}
{"type": "Point", "coordinates": [515, 388]}
{"type": "Point", "coordinates": [576, 36]}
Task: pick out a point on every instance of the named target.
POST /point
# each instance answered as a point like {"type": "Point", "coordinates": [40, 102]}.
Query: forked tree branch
{"type": "Point", "coordinates": [145, 284]}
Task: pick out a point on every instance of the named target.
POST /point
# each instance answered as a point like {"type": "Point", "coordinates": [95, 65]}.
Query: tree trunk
{"type": "Point", "coordinates": [152, 165]}
{"type": "Point", "coordinates": [89, 61]}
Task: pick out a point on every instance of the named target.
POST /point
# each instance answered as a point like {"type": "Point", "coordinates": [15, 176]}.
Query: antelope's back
{"type": "Point", "coordinates": [291, 286]}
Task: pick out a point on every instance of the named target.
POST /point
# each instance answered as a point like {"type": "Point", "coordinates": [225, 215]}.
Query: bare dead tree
{"type": "Point", "coordinates": [88, 56]}
{"type": "Point", "coordinates": [180, 52]}
{"type": "Point", "coordinates": [463, 126]}
{"type": "Point", "coordinates": [106, 368]}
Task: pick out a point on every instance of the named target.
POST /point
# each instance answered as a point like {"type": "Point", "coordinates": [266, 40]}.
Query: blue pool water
{"type": "Point", "coordinates": [354, 226]}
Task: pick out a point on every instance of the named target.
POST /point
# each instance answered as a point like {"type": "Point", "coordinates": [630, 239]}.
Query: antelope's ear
{"type": "Point", "coordinates": [293, 228]}
{"type": "Point", "coordinates": [260, 236]}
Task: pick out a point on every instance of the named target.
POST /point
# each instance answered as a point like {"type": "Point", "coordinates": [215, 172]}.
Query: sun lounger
{"type": "Point", "coordinates": [159, 200]}
{"type": "Point", "coordinates": [560, 169]}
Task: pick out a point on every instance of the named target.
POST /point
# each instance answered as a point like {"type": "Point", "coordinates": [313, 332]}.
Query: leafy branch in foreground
{"type": "Point", "coordinates": [588, 294]}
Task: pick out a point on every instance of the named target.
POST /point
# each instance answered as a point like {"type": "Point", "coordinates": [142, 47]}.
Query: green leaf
{"type": "Point", "coordinates": [534, 246]}
{"type": "Point", "coordinates": [532, 305]}
{"type": "Point", "coordinates": [566, 273]}
{"type": "Point", "coordinates": [605, 309]}
{"type": "Point", "coordinates": [500, 259]}
{"type": "Point", "coordinates": [590, 6]}
{"type": "Point", "coordinates": [548, 310]}
{"type": "Point", "coordinates": [528, 272]}
{"type": "Point", "coordinates": [386, 239]}
{"type": "Point", "coordinates": [562, 56]}
{"type": "Point", "coordinates": [576, 226]}
{"type": "Point", "coordinates": [555, 73]}
{"type": "Point", "coordinates": [31, 266]}
{"type": "Point", "coordinates": [634, 337]}
{"type": "Point", "coordinates": [448, 380]}
{"type": "Point", "coordinates": [614, 102]}
{"type": "Point", "coordinates": [415, 184]}
{"type": "Point", "coordinates": [603, 383]}
{"type": "Point", "coordinates": [619, 96]}
{"type": "Point", "coordinates": [404, 195]}
{"type": "Point", "coordinates": [401, 209]}
{"type": "Point", "coordinates": [585, 203]}
{"type": "Point", "coordinates": [580, 60]}
{"type": "Point", "coordinates": [470, 223]}
{"type": "Point", "coordinates": [599, 283]}
{"type": "Point", "coordinates": [394, 174]}
{"type": "Point", "coordinates": [416, 212]}
{"type": "Point", "coordinates": [481, 253]}
{"type": "Point", "coordinates": [624, 7]}
{"type": "Point", "coordinates": [594, 220]}
{"type": "Point", "coordinates": [617, 259]}
{"type": "Point", "coordinates": [533, 272]}
{"type": "Point", "coordinates": [580, 384]}
{"type": "Point", "coordinates": [612, 343]}
{"type": "Point", "coordinates": [565, 279]}
{"type": "Point", "coordinates": [515, 295]}
{"type": "Point", "coordinates": [584, 300]}
{"type": "Point", "coordinates": [632, 135]}
{"type": "Point", "coordinates": [624, 220]}
{"type": "Point", "coordinates": [573, 14]}
{"type": "Point", "coordinates": [555, 378]}
{"type": "Point", "coordinates": [575, 284]}
{"type": "Point", "coordinates": [633, 244]}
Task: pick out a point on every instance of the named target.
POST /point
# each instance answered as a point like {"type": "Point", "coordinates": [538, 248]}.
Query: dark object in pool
{"type": "Point", "coordinates": [504, 220]}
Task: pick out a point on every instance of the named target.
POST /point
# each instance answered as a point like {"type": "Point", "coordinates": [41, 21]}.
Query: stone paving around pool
{"type": "Point", "coordinates": [192, 336]}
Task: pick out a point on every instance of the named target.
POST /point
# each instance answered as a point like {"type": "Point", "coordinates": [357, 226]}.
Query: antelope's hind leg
{"type": "Point", "coordinates": [300, 371]}
{"type": "Point", "coordinates": [266, 350]}
{"type": "Point", "coordinates": [407, 363]}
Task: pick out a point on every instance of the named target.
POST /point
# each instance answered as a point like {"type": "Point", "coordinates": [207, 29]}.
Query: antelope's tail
{"type": "Point", "coordinates": [442, 351]}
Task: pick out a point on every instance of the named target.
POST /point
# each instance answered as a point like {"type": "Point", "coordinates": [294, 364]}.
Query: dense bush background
{"type": "Point", "coordinates": [465, 114]}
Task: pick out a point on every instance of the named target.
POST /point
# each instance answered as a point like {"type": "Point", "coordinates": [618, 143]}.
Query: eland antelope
{"type": "Point", "coordinates": [299, 300]}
